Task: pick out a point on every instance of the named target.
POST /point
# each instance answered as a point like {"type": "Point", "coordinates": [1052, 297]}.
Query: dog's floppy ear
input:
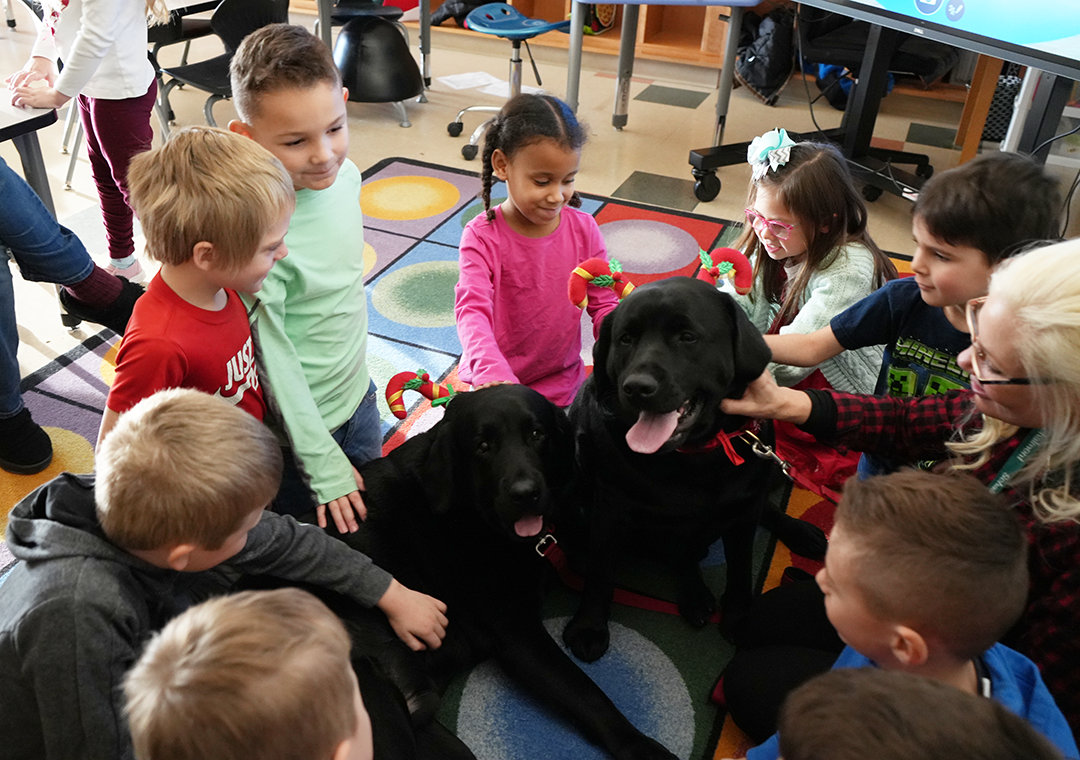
{"type": "Point", "coordinates": [751, 353]}
{"type": "Point", "coordinates": [600, 352]}
{"type": "Point", "coordinates": [438, 476]}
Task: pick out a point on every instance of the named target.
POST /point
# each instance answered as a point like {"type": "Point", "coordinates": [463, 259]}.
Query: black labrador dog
{"type": "Point", "coordinates": [659, 475]}
{"type": "Point", "coordinates": [456, 512]}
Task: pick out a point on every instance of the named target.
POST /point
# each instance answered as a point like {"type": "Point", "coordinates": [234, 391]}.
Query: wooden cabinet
{"type": "Point", "coordinates": [680, 33]}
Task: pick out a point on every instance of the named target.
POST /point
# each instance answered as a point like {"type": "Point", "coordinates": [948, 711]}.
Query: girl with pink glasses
{"type": "Point", "coordinates": [806, 235]}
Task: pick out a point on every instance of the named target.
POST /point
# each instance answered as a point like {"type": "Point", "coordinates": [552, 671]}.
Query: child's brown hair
{"type": "Point", "coordinates": [259, 674]}
{"type": "Point", "coordinates": [182, 466]}
{"type": "Point", "coordinates": [208, 185]}
{"type": "Point", "coordinates": [940, 554]}
{"type": "Point", "coordinates": [860, 713]}
{"type": "Point", "coordinates": [278, 57]}
{"type": "Point", "coordinates": [997, 203]}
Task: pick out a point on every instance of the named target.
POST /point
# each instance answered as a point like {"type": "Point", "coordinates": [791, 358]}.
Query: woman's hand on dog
{"type": "Point", "coordinates": [766, 400]}
{"type": "Point", "coordinates": [342, 509]}
{"type": "Point", "coordinates": [418, 619]}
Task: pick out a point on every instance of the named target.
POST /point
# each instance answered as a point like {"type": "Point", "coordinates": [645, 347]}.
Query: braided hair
{"type": "Point", "coordinates": [524, 120]}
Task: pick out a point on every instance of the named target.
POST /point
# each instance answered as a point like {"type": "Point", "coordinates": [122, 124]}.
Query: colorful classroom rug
{"type": "Point", "coordinates": [659, 671]}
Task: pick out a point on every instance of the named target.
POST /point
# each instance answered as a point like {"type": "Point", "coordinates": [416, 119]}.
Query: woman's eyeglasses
{"type": "Point", "coordinates": [778, 229]}
{"type": "Point", "coordinates": [974, 306]}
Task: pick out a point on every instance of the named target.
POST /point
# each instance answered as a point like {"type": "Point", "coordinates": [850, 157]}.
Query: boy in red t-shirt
{"type": "Point", "coordinates": [215, 208]}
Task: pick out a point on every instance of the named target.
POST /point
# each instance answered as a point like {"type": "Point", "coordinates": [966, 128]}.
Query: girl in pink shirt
{"type": "Point", "coordinates": [514, 319]}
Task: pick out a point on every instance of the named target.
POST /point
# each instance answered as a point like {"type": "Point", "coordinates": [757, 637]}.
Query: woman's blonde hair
{"type": "Point", "coordinates": [1042, 289]}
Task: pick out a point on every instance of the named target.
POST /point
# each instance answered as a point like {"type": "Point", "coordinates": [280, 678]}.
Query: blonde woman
{"type": "Point", "coordinates": [1017, 430]}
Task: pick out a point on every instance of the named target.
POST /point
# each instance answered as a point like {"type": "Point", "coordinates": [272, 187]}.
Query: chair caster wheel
{"type": "Point", "coordinates": [871, 193]}
{"type": "Point", "coordinates": [707, 187]}
{"type": "Point", "coordinates": [454, 128]}
{"type": "Point", "coordinates": [926, 171]}
{"type": "Point", "coordinates": [469, 151]}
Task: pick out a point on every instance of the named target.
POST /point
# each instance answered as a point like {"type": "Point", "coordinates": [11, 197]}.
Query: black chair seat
{"type": "Point", "coordinates": [211, 75]}
{"type": "Point", "coordinates": [375, 62]}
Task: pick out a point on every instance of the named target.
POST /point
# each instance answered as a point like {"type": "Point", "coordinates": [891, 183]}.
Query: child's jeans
{"type": "Point", "coordinates": [360, 437]}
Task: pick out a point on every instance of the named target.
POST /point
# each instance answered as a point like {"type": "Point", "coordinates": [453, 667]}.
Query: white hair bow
{"type": "Point", "coordinates": [771, 150]}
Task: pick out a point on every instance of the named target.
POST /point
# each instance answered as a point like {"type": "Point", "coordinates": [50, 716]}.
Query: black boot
{"type": "Point", "coordinates": [115, 316]}
{"type": "Point", "coordinates": [25, 449]}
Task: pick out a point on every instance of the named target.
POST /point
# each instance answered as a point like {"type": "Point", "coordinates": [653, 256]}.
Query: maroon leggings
{"type": "Point", "coordinates": [116, 130]}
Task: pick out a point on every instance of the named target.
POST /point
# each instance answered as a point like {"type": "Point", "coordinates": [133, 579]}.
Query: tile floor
{"type": "Point", "coordinates": [672, 112]}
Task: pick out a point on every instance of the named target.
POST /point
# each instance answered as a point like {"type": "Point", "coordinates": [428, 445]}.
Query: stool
{"type": "Point", "coordinates": [376, 64]}
{"type": "Point", "coordinates": [503, 21]}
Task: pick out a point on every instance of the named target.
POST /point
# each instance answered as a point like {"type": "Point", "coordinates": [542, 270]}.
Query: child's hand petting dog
{"type": "Point", "coordinates": [418, 619]}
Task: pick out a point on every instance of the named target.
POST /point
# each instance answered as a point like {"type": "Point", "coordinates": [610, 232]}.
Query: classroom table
{"type": "Point", "coordinates": [627, 42]}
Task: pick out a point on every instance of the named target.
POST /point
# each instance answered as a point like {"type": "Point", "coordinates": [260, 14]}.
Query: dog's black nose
{"type": "Point", "coordinates": [525, 491]}
{"type": "Point", "coordinates": [639, 386]}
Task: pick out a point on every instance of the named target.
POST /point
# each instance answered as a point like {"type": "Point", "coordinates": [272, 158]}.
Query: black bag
{"type": "Point", "coordinates": [765, 62]}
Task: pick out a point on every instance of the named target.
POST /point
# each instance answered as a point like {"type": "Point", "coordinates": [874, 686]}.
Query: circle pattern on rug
{"type": "Point", "coordinates": [108, 364]}
{"type": "Point", "coordinates": [649, 247]}
{"type": "Point", "coordinates": [408, 197]}
{"type": "Point", "coordinates": [498, 721]}
{"type": "Point", "coordinates": [421, 295]}
{"type": "Point", "coordinates": [369, 257]}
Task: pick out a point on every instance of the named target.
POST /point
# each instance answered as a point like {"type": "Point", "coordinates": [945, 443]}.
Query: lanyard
{"type": "Point", "coordinates": [1027, 448]}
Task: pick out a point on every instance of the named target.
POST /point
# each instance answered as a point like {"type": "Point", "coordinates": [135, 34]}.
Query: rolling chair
{"type": "Point", "coordinates": [501, 20]}
{"type": "Point", "coordinates": [232, 21]}
{"type": "Point", "coordinates": [826, 37]}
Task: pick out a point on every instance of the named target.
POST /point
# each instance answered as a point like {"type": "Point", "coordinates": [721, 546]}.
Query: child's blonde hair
{"type": "Point", "coordinates": [1042, 289]}
{"type": "Point", "coordinates": [859, 713]}
{"type": "Point", "coordinates": [182, 466]}
{"type": "Point", "coordinates": [817, 188]}
{"type": "Point", "coordinates": [259, 674]}
{"type": "Point", "coordinates": [208, 185]}
{"type": "Point", "coordinates": [278, 57]}
{"type": "Point", "coordinates": [939, 554]}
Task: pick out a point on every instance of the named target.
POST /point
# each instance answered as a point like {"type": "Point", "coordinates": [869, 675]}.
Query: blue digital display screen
{"type": "Point", "coordinates": [1045, 35]}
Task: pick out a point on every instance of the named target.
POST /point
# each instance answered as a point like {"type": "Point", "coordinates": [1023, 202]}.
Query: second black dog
{"type": "Point", "coordinates": [661, 479]}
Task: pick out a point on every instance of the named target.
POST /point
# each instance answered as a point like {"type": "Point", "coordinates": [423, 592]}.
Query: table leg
{"type": "Point", "coordinates": [34, 167]}
{"type": "Point", "coordinates": [627, 42]}
{"type": "Point", "coordinates": [325, 22]}
{"type": "Point", "coordinates": [727, 72]}
{"type": "Point", "coordinates": [425, 42]}
{"type": "Point", "coordinates": [977, 106]}
{"type": "Point", "coordinates": [573, 66]}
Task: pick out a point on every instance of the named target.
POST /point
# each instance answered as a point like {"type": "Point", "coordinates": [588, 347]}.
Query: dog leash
{"type": "Point", "coordinates": [548, 547]}
{"type": "Point", "coordinates": [764, 451]}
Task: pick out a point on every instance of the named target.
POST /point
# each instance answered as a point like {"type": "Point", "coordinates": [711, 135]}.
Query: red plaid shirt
{"type": "Point", "coordinates": [917, 429]}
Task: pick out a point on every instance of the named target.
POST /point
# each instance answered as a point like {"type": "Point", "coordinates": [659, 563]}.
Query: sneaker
{"type": "Point", "coordinates": [25, 449]}
{"type": "Point", "coordinates": [115, 316]}
{"type": "Point", "coordinates": [134, 273]}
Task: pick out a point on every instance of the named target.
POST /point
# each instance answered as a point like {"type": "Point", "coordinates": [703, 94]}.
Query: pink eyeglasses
{"type": "Point", "coordinates": [779, 230]}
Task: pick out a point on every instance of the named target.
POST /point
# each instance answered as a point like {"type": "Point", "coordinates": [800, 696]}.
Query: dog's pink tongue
{"type": "Point", "coordinates": [651, 431]}
{"type": "Point", "coordinates": [529, 526]}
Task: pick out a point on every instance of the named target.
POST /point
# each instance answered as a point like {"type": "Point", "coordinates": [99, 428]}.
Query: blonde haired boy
{"type": "Point", "coordinates": [261, 674]}
{"type": "Point", "coordinates": [311, 317]}
{"type": "Point", "coordinates": [104, 561]}
{"type": "Point", "coordinates": [214, 209]}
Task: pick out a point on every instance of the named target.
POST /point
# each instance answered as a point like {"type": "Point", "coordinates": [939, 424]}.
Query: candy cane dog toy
{"type": "Point", "coordinates": [414, 381]}
{"type": "Point", "coordinates": [727, 262]}
{"type": "Point", "coordinates": [600, 274]}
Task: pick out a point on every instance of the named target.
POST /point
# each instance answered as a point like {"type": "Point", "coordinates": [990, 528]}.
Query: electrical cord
{"type": "Point", "coordinates": [1072, 131]}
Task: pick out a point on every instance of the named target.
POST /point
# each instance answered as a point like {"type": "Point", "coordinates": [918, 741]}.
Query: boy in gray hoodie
{"type": "Point", "coordinates": [175, 514]}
